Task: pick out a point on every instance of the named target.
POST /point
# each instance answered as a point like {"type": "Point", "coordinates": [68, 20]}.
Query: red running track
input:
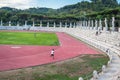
{"type": "Point", "coordinates": [14, 57]}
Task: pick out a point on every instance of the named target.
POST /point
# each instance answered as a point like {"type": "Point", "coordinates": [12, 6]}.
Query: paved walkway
{"type": "Point", "coordinates": [113, 69]}
{"type": "Point", "coordinates": [14, 57]}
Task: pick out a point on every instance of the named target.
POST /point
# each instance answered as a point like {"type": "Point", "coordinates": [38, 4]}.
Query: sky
{"type": "Point", "coordinates": [25, 4]}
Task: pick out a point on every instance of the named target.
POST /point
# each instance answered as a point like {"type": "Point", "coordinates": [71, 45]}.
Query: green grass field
{"type": "Point", "coordinates": [28, 38]}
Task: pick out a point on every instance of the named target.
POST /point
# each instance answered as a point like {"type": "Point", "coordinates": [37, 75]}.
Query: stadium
{"type": "Point", "coordinates": [73, 40]}
{"type": "Point", "coordinates": [23, 56]}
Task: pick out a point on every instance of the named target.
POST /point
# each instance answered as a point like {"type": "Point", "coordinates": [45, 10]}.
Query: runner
{"type": "Point", "coordinates": [52, 53]}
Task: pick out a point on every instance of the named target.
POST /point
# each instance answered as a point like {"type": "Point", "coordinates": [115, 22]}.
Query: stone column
{"type": "Point", "coordinates": [70, 25]}
{"type": "Point", "coordinates": [1, 24]}
{"type": "Point", "coordinates": [18, 24]}
{"type": "Point", "coordinates": [74, 25]}
{"type": "Point", "coordinates": [47, 24]}
{"type": "Point", "coordinates": [9, 23]}
{"type": "Point", "coordinates": [95, 74]}
{"type": "Point", "coordinates": [83, 24]}
{"type": "Point", "coordinates": [54, 25]}
{"type": "Point", "coordinates": [65, 24]}
{"type": "Point", "coordinates": [33, 24]}
{"type": "Point", "coordinates": [96, 24]}
{"type": "Point", "coordinates": [100, 24]}
{"type": "Point", "coordinates": [80, 24]}
{"type": "Point", "coordinates": [60, 24]}
{"type": "Point", "coordinates": [40, 23]}
{"type": "Point", "coordinates": [86, 23]}
{"type": "Point", "coordinates": [25, 23]}
{"type": "Point", "coordinates": [108, 63]}
{"type": "Point", "coordinates": [92, 24]}
{"type": "Point", "coordinates": [118, 29]}
{"type": "Point", "coordinates": [113, 23]}
{"type": "Point", "coordinates": [89, 24]}
{"type": "Point", "coordinates": [103, 68]}
{"type": "Point", "coordinates": [106, 25]}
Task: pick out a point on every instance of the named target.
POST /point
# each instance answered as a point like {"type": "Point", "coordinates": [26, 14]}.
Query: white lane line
{"type": "Point", "coordinates": [15, 47]}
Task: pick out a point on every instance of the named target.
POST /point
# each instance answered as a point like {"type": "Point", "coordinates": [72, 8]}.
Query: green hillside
{"type": "Point", "coordinates": [77, 11]}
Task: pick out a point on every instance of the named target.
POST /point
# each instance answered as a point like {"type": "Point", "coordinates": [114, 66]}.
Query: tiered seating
{"type": "Point", "coordinates": [107, 37]}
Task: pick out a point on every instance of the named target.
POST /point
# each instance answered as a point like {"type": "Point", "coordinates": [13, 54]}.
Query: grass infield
{"type": "Point", "coordinates": [28, 38]}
